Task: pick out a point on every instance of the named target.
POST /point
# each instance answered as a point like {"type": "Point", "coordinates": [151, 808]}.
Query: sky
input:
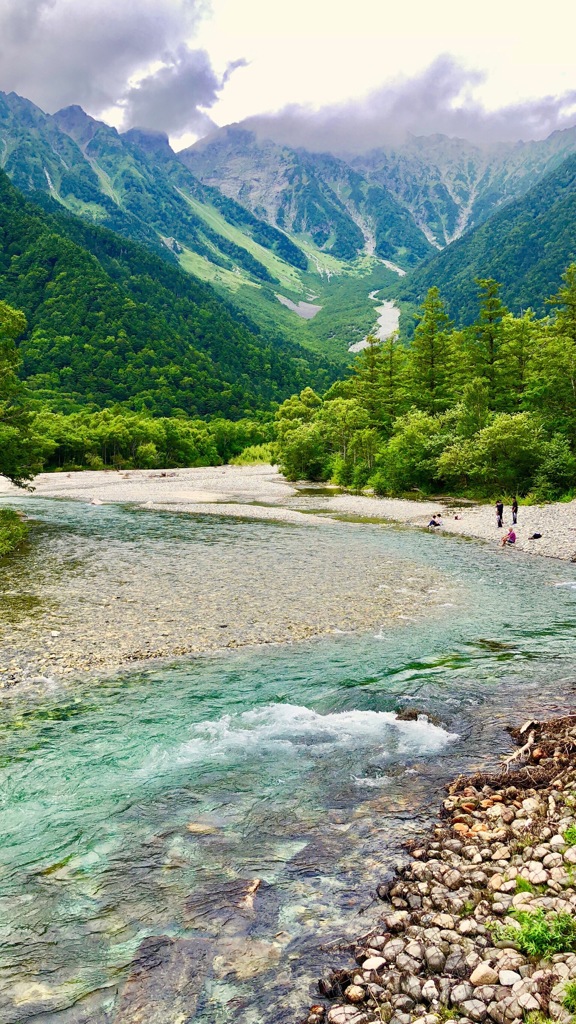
{"type": "Point", "coordinates": [326, 74]}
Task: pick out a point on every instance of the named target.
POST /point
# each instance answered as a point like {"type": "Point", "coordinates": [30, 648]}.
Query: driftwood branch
{"type": "Point", "coordinates": [518, 754]}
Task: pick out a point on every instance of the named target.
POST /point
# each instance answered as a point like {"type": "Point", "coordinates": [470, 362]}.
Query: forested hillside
{"type": "Point", "coordinates": [525, 246]}
{"type": "Point", "coordinates": [481, 410]}
{"type": "Point", "coordinates": [109, 321]}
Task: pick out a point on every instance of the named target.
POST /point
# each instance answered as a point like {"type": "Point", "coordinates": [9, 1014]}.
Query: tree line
{"type": "Point", "coordinates": [478, 410]}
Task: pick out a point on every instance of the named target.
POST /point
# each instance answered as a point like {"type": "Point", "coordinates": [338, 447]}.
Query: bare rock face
{"type": "Point", "coordinates": [165, 980]}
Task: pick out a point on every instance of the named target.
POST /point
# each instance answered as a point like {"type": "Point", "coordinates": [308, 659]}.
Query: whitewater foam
{"type": "Point", "coordinates": [288, 729]}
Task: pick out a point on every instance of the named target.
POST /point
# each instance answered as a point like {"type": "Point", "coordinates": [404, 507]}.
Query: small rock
{"type": "Point", "coordinates": [461, 993]}
{"type": "Point", "coordinates": [445, 920]}
{"type": "Point", "coordinates": [355, 993]}
{"type": "Point", "coordinates": [475, 1009]}
{"type": "Point", "coordinates": [429, 991]}
{"type": "Point", "coordinates": [508, 977]}
{"type": "Point", "coordinates": [392, 949]}
{"type": "Point", "coordinates": [373, 963]}
{"type": "Point", "coordinates": [346, 1015]}
{"type": "Point", "coordinates": [557, 842]}
{"type": "Point", "coordinates": [398, 921]}
{"type": "Point", "coordinates": [415, 950]}
{"type": "Point", "coordinates": [528, 1002]}
{"type": "Point", "coordinates": [483, 974]}
{"type": "Point", "coordinates": [435, 959]}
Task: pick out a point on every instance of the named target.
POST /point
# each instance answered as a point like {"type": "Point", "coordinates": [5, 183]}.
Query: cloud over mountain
{"type": "Point", "coordinates": [130, 54]}
{"type": "Point", "coordinates": [439, 100]}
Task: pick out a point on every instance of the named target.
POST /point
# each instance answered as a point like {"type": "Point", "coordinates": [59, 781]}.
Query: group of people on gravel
{"type": "Point", "coordinates": [510, 537]}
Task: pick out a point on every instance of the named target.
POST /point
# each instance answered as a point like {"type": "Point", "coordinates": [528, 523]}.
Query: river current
{"type": "Point", "coordinates": [246, 804]}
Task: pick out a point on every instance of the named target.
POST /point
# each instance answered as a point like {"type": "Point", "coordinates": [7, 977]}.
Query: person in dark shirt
{"type": "Point", "coordinates": [499, 512]}
{"type": "Point", "coordinates": [514, 512]}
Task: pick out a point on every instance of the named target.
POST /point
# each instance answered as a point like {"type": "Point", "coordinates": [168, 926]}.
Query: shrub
{"type": "Point", "coordinates": [570, 835]}
{"type": "Point", "coordinates": [569, 998]}
{"type": "Point", "coordinates": [255, 454]}
{"type": "Point", "coordinates": [523, 885]}
{"type": "Point", "coordinates": [539, 935]}
{"type": "Point", "coordinates": [12, 531]}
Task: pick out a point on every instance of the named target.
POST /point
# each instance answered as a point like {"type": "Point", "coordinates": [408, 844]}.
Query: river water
{"type": "Point", "coordinates": [151, 804]}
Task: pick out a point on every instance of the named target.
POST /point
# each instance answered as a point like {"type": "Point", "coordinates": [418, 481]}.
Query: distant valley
{"type": "Point", "coordinates": [307, 244]}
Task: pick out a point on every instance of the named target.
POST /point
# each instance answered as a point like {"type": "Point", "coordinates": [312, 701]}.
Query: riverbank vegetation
{"type": "Point", "coordinates": [481, 410]}
{"type": "Point", "coordinates": [477, 411]}
{"type": "Point", "coordinates": [12, 531]}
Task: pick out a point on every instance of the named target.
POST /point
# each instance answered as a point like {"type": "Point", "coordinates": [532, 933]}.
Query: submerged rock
{"type": "Point", "coordinates": [165, 980]}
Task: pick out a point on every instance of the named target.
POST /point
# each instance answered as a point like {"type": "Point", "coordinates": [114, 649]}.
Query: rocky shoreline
{"type": "Point", "coordinates": [480, 924]}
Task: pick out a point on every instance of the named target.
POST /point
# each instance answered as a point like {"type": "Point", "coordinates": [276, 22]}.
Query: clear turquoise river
{"type": "Point", "coordinates": [150, 804]}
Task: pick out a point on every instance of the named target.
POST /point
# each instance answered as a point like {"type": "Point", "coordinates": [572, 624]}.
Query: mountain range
{"type": "Point", "coordinates": [303, 242]}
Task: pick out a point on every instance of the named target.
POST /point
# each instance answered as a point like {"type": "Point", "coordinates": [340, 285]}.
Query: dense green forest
{"type": "Point", "coordinates": [481, 410]}
{"type": "Point", "coordinates": [525, 246]}
{"type": "Point", "coordinates": [108, 322]}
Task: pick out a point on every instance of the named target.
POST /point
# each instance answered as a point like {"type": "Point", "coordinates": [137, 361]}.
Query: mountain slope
{"type": "Point", "coordinates": [451, 185]}
{"type": "Point", "coordinates": [132, 183]}
{"type": "Point", "coordinates": [526, 246]}
{"type": "Point", "coordinates": [109, 321]}
{"type": "Point", "coordinates": [315, 197]}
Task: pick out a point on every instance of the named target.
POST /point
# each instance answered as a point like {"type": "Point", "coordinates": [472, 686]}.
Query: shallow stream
{"type": "Point", "coordinates": [151, 804]}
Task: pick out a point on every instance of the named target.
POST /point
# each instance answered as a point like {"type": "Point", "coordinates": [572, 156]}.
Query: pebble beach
{"type": "Point", "coordinates": [479, 926]}
{"type": "Point", "coordinates": [107, 616]}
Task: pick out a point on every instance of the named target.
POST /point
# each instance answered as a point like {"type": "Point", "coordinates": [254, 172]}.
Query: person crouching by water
{"type": "Point", "coordinates": [499, 512]}
{"type": "Point", "coordinates": [514, 512]}
{"type": "Point", "coordinates": [509, 538]}
{"type": "Point", "coordinates": [434, 521]}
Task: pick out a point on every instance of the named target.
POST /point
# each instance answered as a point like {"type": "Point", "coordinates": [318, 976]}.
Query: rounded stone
{"type": "Point", "coordinates": [508, 978]}
{"type": "Point", "coordinates": [373, 963]}
{"type": "Point", "coordinates": [355, 993]}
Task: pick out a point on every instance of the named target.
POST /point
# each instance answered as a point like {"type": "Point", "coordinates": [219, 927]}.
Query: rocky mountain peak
{"type": "Point", "coordinates": [153, 142]}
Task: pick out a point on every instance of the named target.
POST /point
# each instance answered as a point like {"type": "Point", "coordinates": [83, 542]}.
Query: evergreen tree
{"type": "Point", "coordinates": [565, 301]}
{"type": "Point", "coordinates": [20, 450]}
{"type": "Point", "coordinates": [430, 354]}
{"type": "Point", "coordinates": [488, 331]}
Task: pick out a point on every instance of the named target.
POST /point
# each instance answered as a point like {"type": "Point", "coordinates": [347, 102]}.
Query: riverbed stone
{"type": "Point", "coordinates": [508, 977]}
{"type": "Point", "coordinates": [475, 1009]}
{"type": "Point", "coordinates": [355, 993]}
{"type": "Point", "coordinates": [435, 959]}
{"type": "Point", "coordinates": [164, 981]}
{"type": "Point", "coordinates": [343, 1014]}
{"type": "Point", "coordinates": [392, 948]}
{"type": "Point", "coordinates": [461, 992]}
{"type": "Point", "coordinates": [373, 963]}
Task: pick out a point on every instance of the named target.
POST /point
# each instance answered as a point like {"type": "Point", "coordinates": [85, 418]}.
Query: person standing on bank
{"type": "Point", "coordinates": [514, 512]}
{"type": "Point", "coordinates": [499, 512]}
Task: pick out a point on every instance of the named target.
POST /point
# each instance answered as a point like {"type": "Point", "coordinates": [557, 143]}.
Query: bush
{"type": "Point", "coordinates": [12, 531]}
{"type": "Point", "coordinates": [540, 936]}
{"type": "Point", "coordinates": [523, 885]}
{"type": "Point", "coordinates": [569, 998]}
{"type": "Point", "coordinates": [570, 835]}
{"type": "Point", "coordinates": [255, 454]}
